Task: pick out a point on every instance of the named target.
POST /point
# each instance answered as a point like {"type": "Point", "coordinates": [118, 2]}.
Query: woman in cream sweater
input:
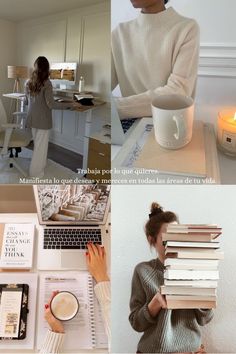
{"type": "Point", "coordinates": [164, 331]}
{"type": "Point", "coordinates": [96, 262]}
{"type": "Point", "coordinates": [156, 53]}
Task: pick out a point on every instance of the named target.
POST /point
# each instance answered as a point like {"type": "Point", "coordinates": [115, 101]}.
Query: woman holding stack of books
{"type": "Point", "coordinates": [96, 262]}
{"type": "Point", "coordinates": [164, 330]}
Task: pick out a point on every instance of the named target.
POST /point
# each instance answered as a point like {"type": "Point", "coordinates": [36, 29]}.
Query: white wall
{"type": "Point", "coordinates": [217, 69]}
{"type": "Point", "coordinates": [82, 36]}
{"type": "Point", "coordinates": [59, 37]}
{"type": "Point", "coordinates": [193, 204]}
{"type": "Point", "coordinates": [7, 57]}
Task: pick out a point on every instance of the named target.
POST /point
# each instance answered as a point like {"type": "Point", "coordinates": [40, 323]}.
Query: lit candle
{"type": "Point", "coordinates": [226, 132]}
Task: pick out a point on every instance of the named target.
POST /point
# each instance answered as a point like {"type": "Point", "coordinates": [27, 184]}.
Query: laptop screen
{"type": "Point", "coordinates": [72, 204]}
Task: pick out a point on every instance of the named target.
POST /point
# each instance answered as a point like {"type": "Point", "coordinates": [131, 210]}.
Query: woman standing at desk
{"type": "Point", "coordinates": [39, 98]}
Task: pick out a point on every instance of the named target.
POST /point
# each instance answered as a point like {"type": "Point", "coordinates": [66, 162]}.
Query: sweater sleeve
{"type": "Point", "coordinates": [182, 80]}
{"type": "Point", "coordinates": [103, 293]}
{"type": "Point", "coordinates": [53, 343]}
{"type": "Point", "coordinates": [114, 79]}
{"type": "Point", "coordinates": [203, 316]}
{"type": "Point", "coordinates": [48, 93]}
{"type": "Point", "coordinates": [140, 318]}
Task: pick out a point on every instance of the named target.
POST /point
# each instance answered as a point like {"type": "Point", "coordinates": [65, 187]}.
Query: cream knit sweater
{"type": "Point", "coordinates": [152, 55]}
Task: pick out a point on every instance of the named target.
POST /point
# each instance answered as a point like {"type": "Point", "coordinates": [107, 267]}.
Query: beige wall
{"type": "Point", "coordinates": [17, 199]}
{"type": "Point", "coordinates": [60, 38]}
{"type": "Point", "coordinates": [8, 56]}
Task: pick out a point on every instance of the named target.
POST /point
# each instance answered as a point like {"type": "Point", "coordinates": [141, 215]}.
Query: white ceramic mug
{"type": "Point", "coordinates": [173, 120]}
{"type": "Point", "coordinates": [64, 306]}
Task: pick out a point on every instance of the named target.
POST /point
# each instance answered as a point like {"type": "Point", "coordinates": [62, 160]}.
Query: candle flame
{"type": "Point", "coordinates": [235, 116]}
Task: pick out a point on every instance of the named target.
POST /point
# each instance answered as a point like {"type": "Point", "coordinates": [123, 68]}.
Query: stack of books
{"type": "Point", "coordinates": [191, 266]}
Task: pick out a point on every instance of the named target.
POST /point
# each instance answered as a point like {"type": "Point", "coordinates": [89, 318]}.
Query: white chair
{"type": "Point", "coordinates": [12, 137]}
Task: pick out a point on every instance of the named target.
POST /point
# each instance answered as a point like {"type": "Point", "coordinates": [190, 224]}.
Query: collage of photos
{"type": "Point", "coordinates": [117, 176]}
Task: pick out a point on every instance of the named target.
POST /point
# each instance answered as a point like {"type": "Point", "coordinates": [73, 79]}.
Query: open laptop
{"type": "Point", "coordinates": [120, 130]}
{"type": "Point", "coordinates": [70, 216]}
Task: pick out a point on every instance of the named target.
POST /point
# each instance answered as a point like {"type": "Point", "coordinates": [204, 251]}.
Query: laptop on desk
{"type": "Point", "coordinates": [120, 129]}
{"type": "Point", "coordinates": [70, 216]}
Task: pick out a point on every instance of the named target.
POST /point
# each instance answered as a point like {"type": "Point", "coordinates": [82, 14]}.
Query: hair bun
{"type": "Point", "coordinates": [155, 209]}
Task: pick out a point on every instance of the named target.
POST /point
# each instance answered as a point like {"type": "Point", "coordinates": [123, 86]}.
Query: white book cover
{"type": "Point", "coordinates": [191, 267]}
{"type": "Point", "coordinates": [192, 283]}
{"type": "Point", "coordinates": [184, 290]}
{"type": "Point", "coordinates": [193, 231]}
{"type": "Point", "coordinates": [190, 298]}
{"type": "Point", "coordinates": [195, 253]}
{"type": "Point", "coordinates": [189, 237]}
{"type": "Point", "coordinates": [193, 244]}
{"type": "Point", "coordinates": [180, 228]}
{"type": "Point", "coordinates": [191, 274]}
{"type": "Point", "coordinates": [191, 262]}
{"type": "Point", "coordinates": [17, 246]}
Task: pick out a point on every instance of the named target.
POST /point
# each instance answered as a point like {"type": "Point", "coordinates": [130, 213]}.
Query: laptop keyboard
{"type": "Point", "coordinates": [59, 238]}
{"type": "Point", "coordinates": [127, 123]}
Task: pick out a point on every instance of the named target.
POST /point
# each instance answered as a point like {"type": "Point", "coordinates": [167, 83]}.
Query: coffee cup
{"type": "Point", "coordinates": [173, 120]}
{"type": "Point", "coordinates": [64, 306]}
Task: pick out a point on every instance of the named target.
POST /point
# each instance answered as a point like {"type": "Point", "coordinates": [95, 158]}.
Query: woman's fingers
{"type": "Point", "coordinates": [96, 249]}
{"type": "Point", "coordinates": [90, 248]}
{"type": "Point", "coordinates": [54, 293]}
{"type": "Point", "coordinates": [100, 250]}
{"type": "Point", "coordinates": [87, 258]}
{"type": "Point", "coordinates": [164, 304]}
{"type": "Point", "coordinates": [104, 252]}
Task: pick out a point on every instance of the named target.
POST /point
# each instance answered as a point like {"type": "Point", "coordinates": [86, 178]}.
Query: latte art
{"type": "Point", "coordinates": [64, 306]}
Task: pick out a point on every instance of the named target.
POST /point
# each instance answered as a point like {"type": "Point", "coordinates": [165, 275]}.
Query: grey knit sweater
{"type": "Point", "coordinates": [171, 331]}
{"type": "Point", "coordinates": [39, 114]}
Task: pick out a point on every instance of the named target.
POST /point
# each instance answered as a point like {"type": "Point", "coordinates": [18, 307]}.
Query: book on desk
{"type": "Point", "coordinates": [13, 311]}
{"type": "Point", "coordinates": [16, 246]}
{"type": "Point", "coordinates": [140, 152]}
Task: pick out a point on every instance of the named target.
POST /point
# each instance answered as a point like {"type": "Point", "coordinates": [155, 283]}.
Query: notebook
{"type": "Point", "coordinates": [13, 311]}
{"type": "Point", "coordinates": [22, 278]}
{"type": "Point", "coordinates": [86, 330]}
{"type": "Point", "coordinates": [188, 161]}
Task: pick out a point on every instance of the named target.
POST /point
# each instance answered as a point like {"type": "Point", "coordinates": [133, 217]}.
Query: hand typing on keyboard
{"type": "Point", "coordinates": [96, 262]}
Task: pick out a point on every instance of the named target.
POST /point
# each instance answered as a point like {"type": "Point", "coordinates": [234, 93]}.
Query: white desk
{"type": "Point", "coordinates": [32, 218]}
{"type": "Point", "coordinates": [87, 110]}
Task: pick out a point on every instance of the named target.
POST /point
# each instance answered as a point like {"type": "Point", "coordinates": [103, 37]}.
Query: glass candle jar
{"type": "Point", "coordinates": [226, 132]}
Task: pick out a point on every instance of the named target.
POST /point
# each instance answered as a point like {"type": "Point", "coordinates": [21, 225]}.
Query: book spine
{"type": "Point", "coordinates": [92, 311]}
